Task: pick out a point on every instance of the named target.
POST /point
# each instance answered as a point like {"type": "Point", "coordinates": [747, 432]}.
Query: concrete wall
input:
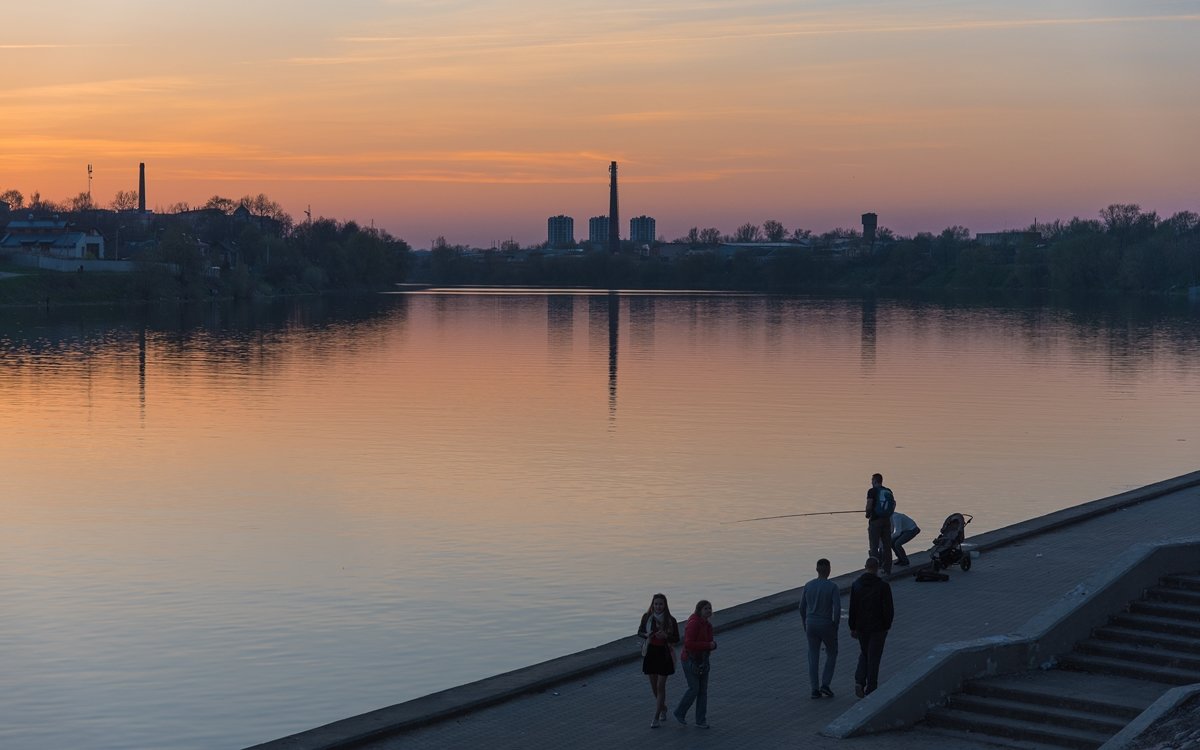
{"type": "Point", "coordinates": [904, 700]}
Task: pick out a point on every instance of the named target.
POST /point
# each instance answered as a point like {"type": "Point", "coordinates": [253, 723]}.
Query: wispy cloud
{"type": "Point", "coordinates": [114, 87]}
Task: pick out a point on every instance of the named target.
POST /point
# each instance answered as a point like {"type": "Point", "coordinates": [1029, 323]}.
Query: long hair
{"type": "Point", "coordinates": [701, 605]}
{"type": "Point", "coordinates": [666, 607]}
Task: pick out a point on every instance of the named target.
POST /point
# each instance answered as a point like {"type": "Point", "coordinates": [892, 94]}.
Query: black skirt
{"type": "Point", "coordinates": [658, 660]}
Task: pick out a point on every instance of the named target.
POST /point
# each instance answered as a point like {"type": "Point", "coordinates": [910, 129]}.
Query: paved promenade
{"type": "Point", "coordinates": [759, 692]}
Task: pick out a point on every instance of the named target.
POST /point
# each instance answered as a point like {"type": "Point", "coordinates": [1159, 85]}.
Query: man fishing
{"type": "Point", "coordinates": [881, 504]}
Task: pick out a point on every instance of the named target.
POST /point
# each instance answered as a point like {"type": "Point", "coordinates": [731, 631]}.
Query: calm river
{"type": "Point", "coordinates": [225, 525]}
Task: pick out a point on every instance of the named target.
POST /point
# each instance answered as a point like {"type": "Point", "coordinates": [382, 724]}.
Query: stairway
{"type": "Point", "coordinates": [1110, 678]}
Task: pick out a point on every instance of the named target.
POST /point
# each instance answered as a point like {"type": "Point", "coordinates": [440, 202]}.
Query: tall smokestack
{"type": "Point", "coordinates": [614, 223]}
{"type": "Point", "coordinates": [142, 187]}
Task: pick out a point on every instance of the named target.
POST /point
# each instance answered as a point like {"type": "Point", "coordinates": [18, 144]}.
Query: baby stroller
{"type": "Point", "coordinates": [947, 548]}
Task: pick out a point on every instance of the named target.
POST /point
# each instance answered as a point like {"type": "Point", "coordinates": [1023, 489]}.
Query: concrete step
{"type": "Point", "coordinates": [1174, 625]}
{"type": "Point", "coordinates": [1140, 637]}
{"type": "Point", "coordinates": [1183, 581]}
{"type": "Point", "coordinates": [1174, 595]}
{"type": "Point", "coordinates": [1069, 690]}
{"type": "Point", "coordinates": [1161, 657]}
{"type": "Point", "coordinates": [1107, 665]}
{"type": "Point", "coordinates": [1165, 609]}
{"type": "Point", "coordinates": [1092, 721]}
{"type": "Point", "coordinates": [978, 724]}
{"type": "Point", "coordinates": [955, 738]}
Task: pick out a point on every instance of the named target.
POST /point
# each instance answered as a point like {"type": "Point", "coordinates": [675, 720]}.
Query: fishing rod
{"type": "Point", "coordinates": [795, 515]}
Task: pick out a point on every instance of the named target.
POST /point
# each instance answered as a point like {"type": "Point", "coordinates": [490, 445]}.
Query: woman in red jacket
{"type": "Point", "coordinates": [697, 643]}
{"type": "Point", "coordinates": [658, 656]}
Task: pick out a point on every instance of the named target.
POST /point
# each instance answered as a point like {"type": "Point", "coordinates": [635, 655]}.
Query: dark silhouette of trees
{"type": "Point", "coordinates": [124, 200]}
{"type": "Point", "coordinates": [14, 198]}
{"type": "Point", "coordinates": [747, 233]}
{"type": "Point", "coordinates": [774, 231]}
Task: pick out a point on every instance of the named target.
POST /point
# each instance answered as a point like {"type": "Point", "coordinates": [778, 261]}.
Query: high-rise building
{"type": "Point", "coordinates": [560, 231]}
{"type": "Point", "coordinates": [641, 229]}
{"type": "Point", "coordinates": [598, 230]}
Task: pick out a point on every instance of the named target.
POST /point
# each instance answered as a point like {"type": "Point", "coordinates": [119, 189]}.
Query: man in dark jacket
{"type": "Point", "coordinates": [870, 620]}
{"type": "Point", "coordinates": [881, 503]}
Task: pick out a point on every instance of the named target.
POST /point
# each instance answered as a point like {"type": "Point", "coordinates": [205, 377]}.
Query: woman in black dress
{"type": "Point", "coordinates": [660, 631]}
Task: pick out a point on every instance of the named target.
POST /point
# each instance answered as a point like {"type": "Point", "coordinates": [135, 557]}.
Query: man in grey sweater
{"type": "Point", "coordinates": [820, 613]}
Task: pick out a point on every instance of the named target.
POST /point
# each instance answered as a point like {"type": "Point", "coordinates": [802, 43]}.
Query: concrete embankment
{"type": "Point", "coordinates": [759, 684]}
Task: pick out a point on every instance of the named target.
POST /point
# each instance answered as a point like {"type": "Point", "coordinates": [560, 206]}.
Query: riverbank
{"type": "Point", "coordinates": [759, 693]}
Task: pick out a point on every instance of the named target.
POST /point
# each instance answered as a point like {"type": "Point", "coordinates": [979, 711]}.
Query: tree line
{"type": "Point", "coordinates": [1126, 249]}
{"type": "Point", "coordinates": [209, 250]}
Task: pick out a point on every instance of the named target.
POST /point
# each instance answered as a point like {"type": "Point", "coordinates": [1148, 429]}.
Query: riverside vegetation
{"type": "Point", "coordinates": [1126, 250]}
{"type": "Point", "coordinates": [212, 252]}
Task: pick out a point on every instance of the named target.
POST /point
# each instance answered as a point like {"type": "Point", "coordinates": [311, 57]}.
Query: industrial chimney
{"type": "Point", "coordinates": [142, 187]}
{"type": "Point", "coordinates": [614, 224]}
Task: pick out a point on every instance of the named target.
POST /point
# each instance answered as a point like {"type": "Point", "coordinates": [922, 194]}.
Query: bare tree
{"type": "Point", "coordinates": [82, 202]}
{"type": "Point", "coordinates": [774, 231]}
{"type": "Point", "coordinates": [747, 233]}
{"type": "Point", "coordinates": [125, 200]}
{"type": "Point", "coordinates": [13, 198]}
{"type": "Point", "coordinates": [225, 205]}
{"type": "Point", "coordinates": [956, 233]}
{"type": "Point", "coordinates": [1184, 222]}
{"type": "Point", "coordinates": [37, 203]}
{"type": "Point", "coordinates": [1126, 219]}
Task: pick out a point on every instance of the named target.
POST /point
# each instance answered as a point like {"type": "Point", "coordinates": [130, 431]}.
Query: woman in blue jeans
{"type": "Point", "coordinates": [697, 643]}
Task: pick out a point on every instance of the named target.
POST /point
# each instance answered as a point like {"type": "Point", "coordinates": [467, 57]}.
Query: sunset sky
{"type": "Point", "coordinates": [477, 119]}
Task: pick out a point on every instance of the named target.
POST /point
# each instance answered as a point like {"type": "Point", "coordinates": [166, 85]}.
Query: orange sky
{"type": "Point", "coordinates": [477, 119]}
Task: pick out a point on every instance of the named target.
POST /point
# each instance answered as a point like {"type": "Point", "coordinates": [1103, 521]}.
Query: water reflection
{"type": "Point", "coordinates": [560, 323]}
{"type": "Point", "coordinates": [285, 513]}
{"type": "Point", "coordinates": [867, 337]}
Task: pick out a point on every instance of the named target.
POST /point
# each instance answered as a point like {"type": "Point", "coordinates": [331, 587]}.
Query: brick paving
{"type": "Point", "coordinates": [759, 692]}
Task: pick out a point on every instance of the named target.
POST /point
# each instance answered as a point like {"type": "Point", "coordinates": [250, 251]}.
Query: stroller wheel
{"type": "Point", "coordinates": [966, 561]}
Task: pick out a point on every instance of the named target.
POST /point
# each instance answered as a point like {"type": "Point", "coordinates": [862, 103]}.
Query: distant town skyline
{"type": "Point", "coordinates": [476, 120]}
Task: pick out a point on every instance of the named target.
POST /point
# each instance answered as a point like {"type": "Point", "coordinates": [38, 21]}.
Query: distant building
{"type": "Point", "coordinates": [870, 222]}
{"type": "Point", "coordinates": [51, 237]}
{"type": "Point", "coordinates": [560, 231]}
{"type": "Point", "coordinates": [598, 230]}
{"type": "Point", "coordinates": [641, 230]}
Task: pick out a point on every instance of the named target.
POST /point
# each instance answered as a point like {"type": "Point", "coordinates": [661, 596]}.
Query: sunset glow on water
{"type": "Point", "coordinates": [224, 526]}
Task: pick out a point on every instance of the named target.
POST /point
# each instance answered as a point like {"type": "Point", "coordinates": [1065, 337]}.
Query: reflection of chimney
{"type": "Point", "coordinates": [142, 187]}
{"type": "Point", "coordinates": [614, 224]}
